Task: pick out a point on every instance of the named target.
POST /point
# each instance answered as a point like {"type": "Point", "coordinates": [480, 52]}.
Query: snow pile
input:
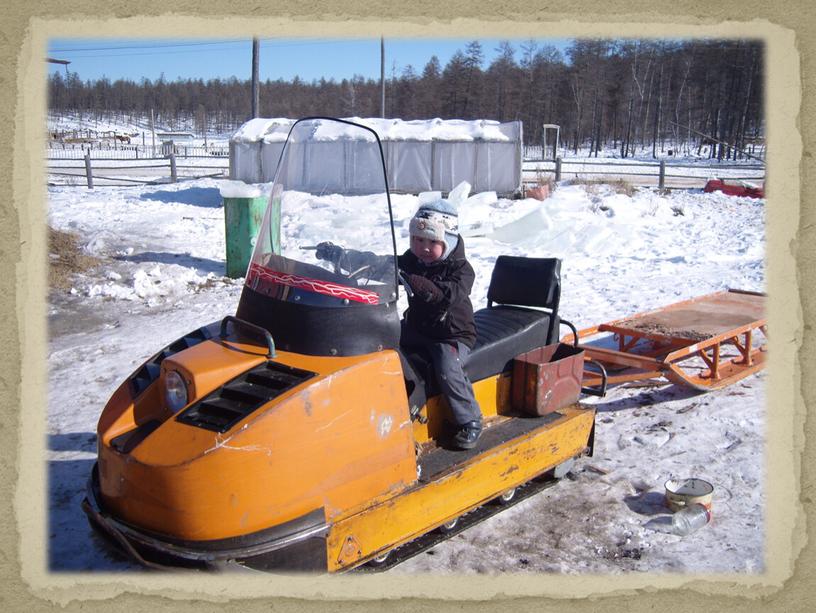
{"type": "Point", "coordinates": [239, 189]}
{"type": "Point", "coordinates": [574, 224]}
{"type": "Point", "coordinates": [572, 221]}
{"type": "Point", "coordinates": [154, 286]}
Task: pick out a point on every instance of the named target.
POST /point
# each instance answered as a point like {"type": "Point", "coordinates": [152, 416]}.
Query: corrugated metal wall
{"type": "Point", "coordinates": [413, 166]}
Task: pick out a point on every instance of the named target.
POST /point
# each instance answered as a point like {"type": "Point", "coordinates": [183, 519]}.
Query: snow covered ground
{"type": "Point", "coordinates": [163, 249]}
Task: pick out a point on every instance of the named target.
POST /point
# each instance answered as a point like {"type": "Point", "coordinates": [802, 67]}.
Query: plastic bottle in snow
{"type": "Point", "coordinates": [690, 519]}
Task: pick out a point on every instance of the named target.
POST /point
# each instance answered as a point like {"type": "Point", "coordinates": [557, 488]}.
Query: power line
{"type": "Point", "coordinates": [222, 42]}
{"type": "Point", "coordinates": [133, 54]}
{"type": "Point", "coordinates": [147, 46]}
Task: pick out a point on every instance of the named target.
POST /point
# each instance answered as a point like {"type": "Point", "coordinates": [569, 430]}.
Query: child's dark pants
{"type": "Point", "coordinates": [448, 359]}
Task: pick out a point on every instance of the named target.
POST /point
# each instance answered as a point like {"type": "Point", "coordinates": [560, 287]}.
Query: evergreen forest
{"type": "Point", "coordinates": [626, 95]}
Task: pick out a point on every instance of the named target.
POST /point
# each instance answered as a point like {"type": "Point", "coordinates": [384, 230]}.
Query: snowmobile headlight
{"type": "Point", "coordinates": [175, 391]}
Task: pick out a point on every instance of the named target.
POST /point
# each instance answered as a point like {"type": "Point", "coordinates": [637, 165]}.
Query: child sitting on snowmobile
{"type": "Point", "coordinates": [439, 320]}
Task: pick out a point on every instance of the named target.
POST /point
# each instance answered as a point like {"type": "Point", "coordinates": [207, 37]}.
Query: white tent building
{"type": "Point", "coordinates": [423, 155]}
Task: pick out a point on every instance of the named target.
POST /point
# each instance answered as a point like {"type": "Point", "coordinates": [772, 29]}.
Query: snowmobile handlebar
{"type": "Point", "coordinates": [404, 280]}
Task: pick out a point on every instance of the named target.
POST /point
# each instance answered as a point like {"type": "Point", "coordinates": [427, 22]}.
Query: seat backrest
{"type": "Point", "coordinates": [534, 282]}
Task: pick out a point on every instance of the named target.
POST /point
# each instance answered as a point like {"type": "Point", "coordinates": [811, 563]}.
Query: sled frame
{"type": "Point", "coordinates": [663, 343]}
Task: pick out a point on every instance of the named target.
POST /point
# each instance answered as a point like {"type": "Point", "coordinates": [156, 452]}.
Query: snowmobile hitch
{"type": "Point", "coordinates": [599, 391]}
{"type": "Point", "coordinates": [240, 323]}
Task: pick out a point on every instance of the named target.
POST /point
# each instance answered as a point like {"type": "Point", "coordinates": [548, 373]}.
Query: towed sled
{"type": "Point", "coordinates": [705, 343]}
{"type": "Point", "coordinates": [295, 435]}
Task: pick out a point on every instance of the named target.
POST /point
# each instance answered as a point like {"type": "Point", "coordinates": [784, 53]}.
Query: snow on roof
{"type": "Point", "coordinates": [276, 130]}
{"type": "Point", "coordinates": [259, 128]}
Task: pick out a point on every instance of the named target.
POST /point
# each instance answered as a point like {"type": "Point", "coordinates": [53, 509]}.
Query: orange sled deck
{"type": "Point", "coordinates": [707, 342]}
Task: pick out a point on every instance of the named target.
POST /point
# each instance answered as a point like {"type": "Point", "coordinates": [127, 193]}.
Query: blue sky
{"type": "Point", "coordinates": [308, 58]}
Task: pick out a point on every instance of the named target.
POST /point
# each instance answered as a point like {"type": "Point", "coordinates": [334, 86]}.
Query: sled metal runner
{"type": "Point", "coordinates": [707, 342]}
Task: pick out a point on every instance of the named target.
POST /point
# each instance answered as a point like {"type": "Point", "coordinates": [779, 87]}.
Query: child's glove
{"type": "Point", "coordinates": [425, 289]}
{"type": "Point", "coordinates": [329, 251]}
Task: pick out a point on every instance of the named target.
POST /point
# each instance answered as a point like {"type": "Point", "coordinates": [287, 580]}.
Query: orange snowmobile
{"type": "Point", "coordinates": [296, 435]}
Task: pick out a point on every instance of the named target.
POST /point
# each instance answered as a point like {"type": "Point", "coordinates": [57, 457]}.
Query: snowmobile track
{"type": "Point", "coordinates": [479, 514]}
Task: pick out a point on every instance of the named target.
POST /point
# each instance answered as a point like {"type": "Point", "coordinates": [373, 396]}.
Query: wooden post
{"type": "Point", "coordinates": [153, 132]}
{"type": "Point", "coordinates": [661, 182]}
{"type": "Point", "coordinates": [173, 175]}
{"type": "Point", "coordinates": [558, 168]}
{"type": "Point", "coordinates": [88, 173]}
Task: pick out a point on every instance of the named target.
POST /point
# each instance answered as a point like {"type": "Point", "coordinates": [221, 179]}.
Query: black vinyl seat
{"type": "Point", "coordinates": [502, 333]}
{"type": "Point", "coordinates": [526, 293]}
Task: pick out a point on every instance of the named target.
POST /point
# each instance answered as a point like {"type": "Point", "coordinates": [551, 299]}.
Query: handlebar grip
{"type": "Point", "coordinates": [405, 284]}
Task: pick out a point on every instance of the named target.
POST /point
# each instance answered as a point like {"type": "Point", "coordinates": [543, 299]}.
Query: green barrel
{"type": "Point", "coordinates": [242, 219]}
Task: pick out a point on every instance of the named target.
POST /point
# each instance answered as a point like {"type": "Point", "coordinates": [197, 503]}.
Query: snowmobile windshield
{"type": "Point", "coordinates": [327, 237]}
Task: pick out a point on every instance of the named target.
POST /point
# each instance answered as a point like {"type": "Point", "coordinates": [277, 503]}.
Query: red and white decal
{"type": "Point", "coordinates": [258, 275]}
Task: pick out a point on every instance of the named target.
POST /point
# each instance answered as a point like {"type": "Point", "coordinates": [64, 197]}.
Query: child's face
{"type": "Point", "coordinates": [426, 249]}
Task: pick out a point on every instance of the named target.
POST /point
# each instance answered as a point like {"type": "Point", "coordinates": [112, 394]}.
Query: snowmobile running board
{"type": "Point", "coordinates": [707, 342]}
{"type": "Point", "coordinates": [479, 514]}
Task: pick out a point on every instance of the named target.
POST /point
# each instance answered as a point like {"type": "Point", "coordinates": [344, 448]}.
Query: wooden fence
{"type": "Point", "coordinates": [116, 151]}
{"type": "Point", "coordinates": [538, 153]}
{"type": "Point", "coordinates": [88, 171]}
{"type": "Point", "coordinates": [662, 174]}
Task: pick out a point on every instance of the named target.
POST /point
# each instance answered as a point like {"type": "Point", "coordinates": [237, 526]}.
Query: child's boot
{"type": "Point", "coordinates": [468, 435]}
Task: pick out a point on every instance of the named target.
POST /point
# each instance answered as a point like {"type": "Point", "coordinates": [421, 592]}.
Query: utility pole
{"type": "Point", "coordinates": [65, 63]}
{"type": "Point", "coordinates": [255, 93]}
{"type": "Point", "coordinates": [382, 76]}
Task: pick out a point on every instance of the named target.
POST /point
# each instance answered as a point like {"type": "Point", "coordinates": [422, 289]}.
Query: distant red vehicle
{"type": "Point", "coordinates": [735, 188]}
